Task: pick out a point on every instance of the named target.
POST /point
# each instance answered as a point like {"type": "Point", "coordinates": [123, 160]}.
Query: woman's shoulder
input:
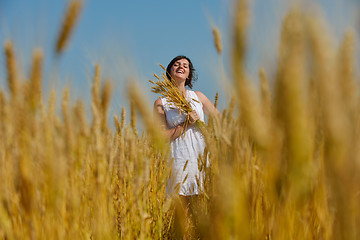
{"type": "Point", "coordinates": [158, 102]}
{"type": "Point", "coordinates": [158, 106]}
{"type": "Point", "coordinates": [203, 99]}
{"type": "Point", "coordinates": [200, 95]}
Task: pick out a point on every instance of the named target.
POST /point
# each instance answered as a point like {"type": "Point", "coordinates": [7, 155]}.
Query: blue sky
{"type": "Point", "coordinates": [130, 38]}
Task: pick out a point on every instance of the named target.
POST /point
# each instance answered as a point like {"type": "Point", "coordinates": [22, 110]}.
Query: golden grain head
{"type": "Point", "coordinates": [117, 124]}
{"type": "Point", "coordinates": [216, 99]}
{"type": "Point", "coordinates": [71, 17]}
{"type": "Point", "coordinates": [217, 39]}
{"type": "Point", "coordinates": [37, 64]}
{"type": "Point", "coordinates": [106, 96]}
{"type": "Point", "coordinates": [11, 68]}
{"type": "Point", "coordinates": [96, 86]}
{"type": "Point", "coordinates": [162, 67]}
{"type": "Point", "coordinates": [36, 72]}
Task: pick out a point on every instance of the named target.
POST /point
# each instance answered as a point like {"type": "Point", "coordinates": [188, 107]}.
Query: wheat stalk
{"type": "Point", "coordinates": [217, 39]}
{"type": "Point", "coordinates": [36, 78]}
{"type": "Point", "coordinates": [70, 19]}
{"type": "Point", "coordinates": [105, 102]}
{"type": "Point", "coordinates": [133, 118]}
{"type": "Point", "coordinates": [216, 99]}
{"type": "Point", "coordinates": [11, 68]}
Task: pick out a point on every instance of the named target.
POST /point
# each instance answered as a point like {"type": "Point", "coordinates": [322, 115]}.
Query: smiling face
{"type": "Point", "coordinates": [180, 69]}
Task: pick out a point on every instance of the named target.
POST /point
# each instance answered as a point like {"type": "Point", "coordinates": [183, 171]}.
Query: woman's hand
{"type": "Point", "coordinates": [193, 117]}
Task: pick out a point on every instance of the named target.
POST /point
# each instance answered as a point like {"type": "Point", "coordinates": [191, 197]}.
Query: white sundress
{"type": "Point", "coordinates": [186, 147]}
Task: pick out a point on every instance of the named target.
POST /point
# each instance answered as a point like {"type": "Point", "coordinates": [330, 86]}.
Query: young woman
{"type": "Point", "coordinates": [185, 149]}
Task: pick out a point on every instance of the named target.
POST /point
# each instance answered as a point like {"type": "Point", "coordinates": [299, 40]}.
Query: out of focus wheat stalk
{"type": "Point", "coordinates": [217, 39]}
{"type": "Point", "coordinates": [68, 24]}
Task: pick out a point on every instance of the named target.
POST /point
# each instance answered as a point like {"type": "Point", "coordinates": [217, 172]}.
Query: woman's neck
{"type": "Point", "coordinates": [181, 87]}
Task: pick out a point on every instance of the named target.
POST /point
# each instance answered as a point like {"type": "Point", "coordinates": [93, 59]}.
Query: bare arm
{"type": "Point", "coordinates": [172, 133]}
{"type": "Point", "coordinates": [208, 107]}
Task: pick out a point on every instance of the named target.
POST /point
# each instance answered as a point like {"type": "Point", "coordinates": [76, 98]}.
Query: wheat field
{"type": "Point", "coordinates": [284, 159]}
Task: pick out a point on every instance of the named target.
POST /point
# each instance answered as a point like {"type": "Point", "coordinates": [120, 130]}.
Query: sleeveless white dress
{"type": "Point", "coordinates": [186, 147]}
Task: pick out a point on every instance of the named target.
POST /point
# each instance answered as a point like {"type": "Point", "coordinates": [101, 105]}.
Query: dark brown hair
{"type": "Point", "coordinates": [192, 76]}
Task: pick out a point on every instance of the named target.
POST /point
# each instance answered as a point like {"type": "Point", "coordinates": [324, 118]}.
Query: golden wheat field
{"type": "Point", "coordinates": [284, 159]}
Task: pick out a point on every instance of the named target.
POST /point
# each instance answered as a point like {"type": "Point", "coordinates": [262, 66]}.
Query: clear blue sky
{"type": "Point", "coordinates": [130, 38]}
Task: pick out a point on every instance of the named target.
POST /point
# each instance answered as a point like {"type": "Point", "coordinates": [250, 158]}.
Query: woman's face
{"type": "Point", "coordinates": [180, 69]}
